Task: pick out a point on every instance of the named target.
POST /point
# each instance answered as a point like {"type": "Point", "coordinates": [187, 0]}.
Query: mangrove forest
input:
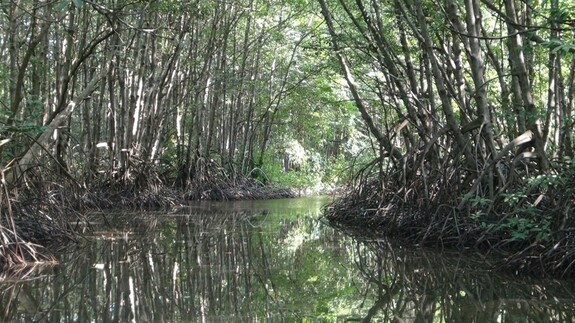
{"type": "Point", "coordinates": [440, 123]}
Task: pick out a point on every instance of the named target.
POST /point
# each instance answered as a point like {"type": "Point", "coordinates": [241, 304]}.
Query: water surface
{"type": "Point", "coordinates": [267, 261]}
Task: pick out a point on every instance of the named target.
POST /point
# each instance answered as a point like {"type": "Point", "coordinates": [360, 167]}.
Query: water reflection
{"type": "Point", "coordinates": [428, 286]}
{"type": "Point", "coordinates": [267, 261]}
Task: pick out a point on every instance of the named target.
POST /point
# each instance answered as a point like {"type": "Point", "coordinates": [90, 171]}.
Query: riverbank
{"type": "Point", "coordinates": [45, 218]}
{"type": "Point", "coordinates": [538, 241]}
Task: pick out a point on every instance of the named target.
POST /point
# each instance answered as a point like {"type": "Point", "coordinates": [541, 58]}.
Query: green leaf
{"type": "Point", "coordinates": [518, 235]}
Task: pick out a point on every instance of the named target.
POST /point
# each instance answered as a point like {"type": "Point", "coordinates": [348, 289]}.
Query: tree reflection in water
{"type": "Point", "coordinates": [267, 261]}
{"type": "Point", "coordinates": [414, 285]}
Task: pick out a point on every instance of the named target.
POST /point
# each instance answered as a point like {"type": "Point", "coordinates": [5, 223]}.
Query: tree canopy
{"type": "Point", "coordinates": [103, 91]}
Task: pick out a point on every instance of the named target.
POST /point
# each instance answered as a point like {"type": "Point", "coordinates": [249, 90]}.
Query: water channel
{"type": "Point", "coordinates": [267, 261]}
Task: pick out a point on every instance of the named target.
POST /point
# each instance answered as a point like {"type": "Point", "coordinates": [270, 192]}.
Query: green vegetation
{"type": "Point", "coordinates": [101, 92]}
{"type": "Point", "coordinates": [122, 104]}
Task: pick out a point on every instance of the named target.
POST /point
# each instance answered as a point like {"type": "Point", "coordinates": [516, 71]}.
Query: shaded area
{"type": "Point", "coordinates": [536, 243]}
{"type": "Point", "coordinates": [414, 285]}
{"type": "Point", "coordinates": [464, 156]}
{"type": "Point", "coordinates": [267, 261]}
{"type": "Point", "coordinates": [47, 214]}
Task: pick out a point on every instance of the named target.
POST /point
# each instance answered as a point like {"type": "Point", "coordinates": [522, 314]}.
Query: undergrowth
{"type": "Point", "coordinates": [530, 223]}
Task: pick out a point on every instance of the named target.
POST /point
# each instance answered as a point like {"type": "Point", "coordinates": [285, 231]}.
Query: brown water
{"type": "Point", "coordinates": [267, 261]}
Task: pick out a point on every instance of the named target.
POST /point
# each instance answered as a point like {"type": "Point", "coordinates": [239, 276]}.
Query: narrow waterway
{"type": "Point", "coordinates": [266, 261]}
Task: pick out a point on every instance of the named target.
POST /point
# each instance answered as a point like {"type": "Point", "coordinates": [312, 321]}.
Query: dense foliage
{"type": "Point", "coordinates": [138, 104]}
{"type": "Point", "coordinates": [105, 91]}
{"type": "Point", "coordinates": [471, 104]}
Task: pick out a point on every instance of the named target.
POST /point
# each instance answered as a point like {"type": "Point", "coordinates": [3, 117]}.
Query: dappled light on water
{"type": "Point", "coordinates": [267, 261]}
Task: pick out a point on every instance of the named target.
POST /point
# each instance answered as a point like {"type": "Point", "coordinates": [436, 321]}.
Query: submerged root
{"type": "Point", "coordinates": [15, 251]}
{"type": "Point", "coordinates": [23, 254]}
{"type": "Point", "coordinates": [45, 208]}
